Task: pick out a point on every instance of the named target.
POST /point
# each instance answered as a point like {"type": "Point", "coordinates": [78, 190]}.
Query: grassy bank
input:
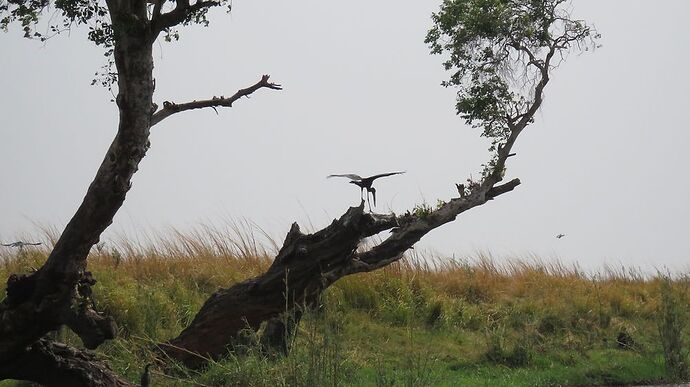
{"type": "Point", "coordinates": [419, 322]}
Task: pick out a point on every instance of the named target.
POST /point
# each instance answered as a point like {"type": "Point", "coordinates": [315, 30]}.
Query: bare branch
{"type": "Point", "coordinates": [170, 108]}
{"type": "Point", "coordinates": [181, 11]}
{"type": "Point", "coordinates": [532, 59]}
{"type": "Point", "coordinates": [157, 7]}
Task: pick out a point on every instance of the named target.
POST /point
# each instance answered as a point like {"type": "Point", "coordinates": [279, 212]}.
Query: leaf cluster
{"type": "Point", "coordinates": [61, 15]}
{"type": "Point", "coordinates": [64, 14]}
{"type": "Point", "coordinates": [497, 51]}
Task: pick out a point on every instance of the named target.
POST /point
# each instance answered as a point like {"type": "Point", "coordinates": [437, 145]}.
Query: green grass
{"type": "Point", "coordinates": [415, 323]}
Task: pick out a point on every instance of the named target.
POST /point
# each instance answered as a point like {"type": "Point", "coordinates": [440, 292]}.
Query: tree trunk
{"type": "Point", "coordinates": [295, 277]}
{"type": "Point", "coordinates": [58, 292]}
{"type": "Point", "coordinates": [279, 332]}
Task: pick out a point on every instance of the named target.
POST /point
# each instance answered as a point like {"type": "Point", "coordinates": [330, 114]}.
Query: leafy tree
{"type": "Point", "coordinates": [57, 294]}
{"type": "Point", "coordinates": [500, 54]}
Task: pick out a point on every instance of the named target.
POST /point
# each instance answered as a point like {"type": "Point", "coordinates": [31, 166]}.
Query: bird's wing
{"type": "Point", "coordinates": [385, 174]}
{"type": "Point", "coordinates": [349, 176]}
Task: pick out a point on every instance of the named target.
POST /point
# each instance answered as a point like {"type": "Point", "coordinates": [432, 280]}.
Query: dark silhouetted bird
{"type": "Point", "coordinates": [365, 183]}
{"type": "Point", "coordinates": [559, 236]}
{"type": "Point", "coordinates": [146, 376]}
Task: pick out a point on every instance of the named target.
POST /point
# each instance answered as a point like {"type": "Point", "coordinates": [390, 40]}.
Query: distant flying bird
{"type": "Point", "coordinates": [559, 236]}
{"type": "Point", "coordinates": [20, 244]}
{"type": "Point", "coordinates": [365, 183]}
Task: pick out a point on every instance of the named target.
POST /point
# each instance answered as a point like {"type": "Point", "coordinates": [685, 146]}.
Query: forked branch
{"type": "Point", "coordinates": [182, 11]}
{"type": "Point", "coordinates": [170, 108]}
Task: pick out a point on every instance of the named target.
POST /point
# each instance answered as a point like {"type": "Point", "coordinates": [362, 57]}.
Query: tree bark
{"type": "Point", "coordinates": [293, 278]}
{"type": "Point", "coordinates": [53, 364]}
{"type": "Point", "coordinates": [279, 331]}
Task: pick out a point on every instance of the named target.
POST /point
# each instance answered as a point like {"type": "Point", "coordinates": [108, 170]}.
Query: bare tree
{"type": "Point", "coordinates": [501, 54]}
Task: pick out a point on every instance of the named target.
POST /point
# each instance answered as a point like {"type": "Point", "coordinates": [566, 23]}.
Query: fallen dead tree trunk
{"type": "Point", "coordinates": [300, 264]}
{"type": "Point", "coordinates": [305, 266]}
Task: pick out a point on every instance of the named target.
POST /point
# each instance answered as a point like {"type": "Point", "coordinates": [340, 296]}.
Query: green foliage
{"type": "Point", "coordinates": [497, 50]}
{"type": "Point", "coordinates": [70, 13]}
{"type": "Point", "coordinates": [424, 209]}
{"type": "Point", "coordinates": [105, 24]}
{"type": "Point", "coordinates": [467, 323]}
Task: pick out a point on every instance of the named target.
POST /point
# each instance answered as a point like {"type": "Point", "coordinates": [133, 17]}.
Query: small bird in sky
{"type": "Point", "coordinates": [559, 236]}
{"type": "Point", "coordinates": [365, 183]}
{"type": "Point", "coordinates": [20, 244]}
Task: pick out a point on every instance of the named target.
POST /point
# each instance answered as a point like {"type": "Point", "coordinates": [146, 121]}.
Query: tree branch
{"type": "Point", "coordinates": [170, 108]}
{"type": "Point", "coordinates": [157, 7]}
{"type": "Point", "coordinates": [179, 14]}
{"type": "Point", "coordinates": [415, 227]}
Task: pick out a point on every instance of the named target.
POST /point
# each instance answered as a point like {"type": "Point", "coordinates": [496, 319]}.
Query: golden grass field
{"type": "Point", "coordinates": [422, 321]}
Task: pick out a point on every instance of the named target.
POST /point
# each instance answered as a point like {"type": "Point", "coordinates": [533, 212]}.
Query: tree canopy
{"type": "Point", "coordinates": [44, 19]}
{"type": "Point", "coordinates": [498, 52]}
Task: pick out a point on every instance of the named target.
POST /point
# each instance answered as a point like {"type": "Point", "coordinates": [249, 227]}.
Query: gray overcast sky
{"type": "Point", "coordinates": [604, 163]}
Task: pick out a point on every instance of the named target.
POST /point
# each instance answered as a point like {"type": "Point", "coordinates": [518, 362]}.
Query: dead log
{"type": "Point", "coordinates": [54, 364]}
{"type": "Point", "coordinates": [305, 266]}
{"type": "Point", "coordinates": [298, 267]}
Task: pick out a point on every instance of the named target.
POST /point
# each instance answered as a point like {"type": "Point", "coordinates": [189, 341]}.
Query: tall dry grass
{"type": "Point", "coordinates": [509, 310]}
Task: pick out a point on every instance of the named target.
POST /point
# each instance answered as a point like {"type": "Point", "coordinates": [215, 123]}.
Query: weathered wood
{"type": "Point", "coordinates": [295, 277]}
{"type": "Point", "coordinates": [54, 364]}
{"type": "Point", "coordinates": [304, 267]}
{"type": "Point", "coordinates": [279, 331]}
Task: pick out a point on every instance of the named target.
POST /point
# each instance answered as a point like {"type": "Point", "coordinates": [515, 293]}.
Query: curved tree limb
{"type": "Point", "coordinates": [403, 238]}
{"type": "Point", "coordinates": [170, 108]}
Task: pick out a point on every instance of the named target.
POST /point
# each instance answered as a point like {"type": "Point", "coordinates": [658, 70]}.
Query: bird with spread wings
{"type": "Point", "coordinates": [365, 183]}
{"type": "Point", "coordinates": [20, 244]}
